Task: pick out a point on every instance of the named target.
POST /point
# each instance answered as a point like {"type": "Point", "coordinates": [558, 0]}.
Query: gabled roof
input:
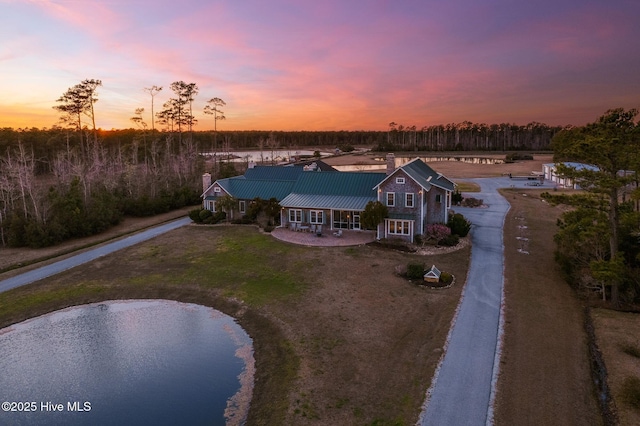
{"type": "Point", "coordinates": [423, 175]}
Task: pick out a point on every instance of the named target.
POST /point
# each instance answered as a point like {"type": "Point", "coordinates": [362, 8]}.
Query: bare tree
{"type": "Point", "coordinates": [153, 91]}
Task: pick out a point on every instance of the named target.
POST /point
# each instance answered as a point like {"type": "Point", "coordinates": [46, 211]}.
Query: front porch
{"type": "Point", "coordinates": [328, 239]}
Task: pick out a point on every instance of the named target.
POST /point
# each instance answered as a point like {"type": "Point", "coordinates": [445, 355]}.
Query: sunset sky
{"type": "Point", "coordinates": [325, 65]}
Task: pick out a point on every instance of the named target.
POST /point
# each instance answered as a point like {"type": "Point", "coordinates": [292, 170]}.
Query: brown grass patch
{"type": "Point", "coordinates": [618, 337]}
{"type": "Point", "coordinates": [339, 338]}
{"type": "Point", "coordinates": [545, 372]}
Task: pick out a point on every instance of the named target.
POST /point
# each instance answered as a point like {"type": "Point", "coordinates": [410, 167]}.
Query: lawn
{"type": "Point", "coordinates": [338, 337]}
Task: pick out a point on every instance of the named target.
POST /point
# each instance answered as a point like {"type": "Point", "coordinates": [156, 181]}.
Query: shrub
{"type": "Point", "coordinates": [449, 241]}
{"type": "Point", "coordinates": [437, 231]}
{"type": "Point", "coordinates": [194, 215]}
{"type": "Point", "coordinates": [415, 271]}
{"type": "Point", "coordinates": [630, 392]}
{"type": "Point", "coordinates": [218, 217]}
{"type": "Point", "coordinates": [446, 278]}
{"type": "Point", "coordinates": [456, 197]}
{"type": "Point", "coordinates": [268, 228]}
{"type": "Point", "coordinates": [459, 225]}
{"type": "Point", "coordinates": [205, 214]}
{"type": "Point", "coordinates": [472, 202]}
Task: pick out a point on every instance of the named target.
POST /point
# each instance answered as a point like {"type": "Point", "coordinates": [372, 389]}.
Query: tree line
{"type": "Point", "coordinates": [598, 241]}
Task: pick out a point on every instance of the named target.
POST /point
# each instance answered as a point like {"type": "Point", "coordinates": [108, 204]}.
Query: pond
{"type": "Point", "coordinates": [126, 362]}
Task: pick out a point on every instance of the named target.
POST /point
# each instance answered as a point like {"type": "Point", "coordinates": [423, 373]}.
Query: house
{"type": "Point", "coordinates": [415, 195]}
{"type": "Point", "coordinates": [314, 198]}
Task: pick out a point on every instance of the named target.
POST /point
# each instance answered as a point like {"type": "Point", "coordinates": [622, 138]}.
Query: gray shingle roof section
{"type": "Point", "coordinates": [333, 202]}
{"type": "Point", "coordinates": [355, 184]}
{"type": "Point", "coordinates": [420, 172]}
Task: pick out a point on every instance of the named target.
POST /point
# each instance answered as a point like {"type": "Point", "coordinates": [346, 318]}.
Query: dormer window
{"type": "Point", "coordinates": [216, 189]}
{"type": "Point", "coordinates": [400, 180]}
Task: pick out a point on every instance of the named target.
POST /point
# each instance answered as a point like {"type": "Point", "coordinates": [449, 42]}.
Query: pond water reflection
{"type": "Point", "coordinates": [127, 362]}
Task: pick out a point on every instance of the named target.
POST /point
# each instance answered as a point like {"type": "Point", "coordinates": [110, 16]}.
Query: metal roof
{"type": "Point", "coordinates": [354, 184]}
{"type": "Point", "coordinates": [332, 202]}
{"type": "Point", "coordinates": [273, 173]}
{"type": "Point", "coordinates": [245, 189]}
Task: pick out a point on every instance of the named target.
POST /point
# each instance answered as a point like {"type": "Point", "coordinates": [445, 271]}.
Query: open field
{"type": "Point", "coordinates": [339, 338]}
{"type": "Point", "coordinates": [545, 373]}
{"type": "Point", "coordinates": [618, 337]}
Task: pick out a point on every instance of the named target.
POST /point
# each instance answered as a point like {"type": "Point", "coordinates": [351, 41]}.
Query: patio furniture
{"type": "Point", "coordinates": [293, 226]}
{"type": "Point", "coordinates": [304, 228]}
{"type": "Point", "coordinates": [338, 233]}
{"type": "Point", "coordinates": [319, 231]}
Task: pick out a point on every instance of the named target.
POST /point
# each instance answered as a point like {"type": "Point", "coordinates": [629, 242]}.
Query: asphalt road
{"type": "Point", "coordinates": [88, 256]}
{"type": "Point", "coordinates": [464, 383]}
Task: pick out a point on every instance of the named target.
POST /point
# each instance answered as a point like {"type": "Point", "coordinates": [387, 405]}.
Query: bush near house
{"type": "Point", "coordinates": [459, 225]}
{"type": "Point", "coordinates": [449, 241]}
{"type": "Point", "coordinates": [415, 271]}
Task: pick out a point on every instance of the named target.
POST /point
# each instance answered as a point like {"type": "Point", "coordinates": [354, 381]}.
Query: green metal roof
{"type": "Point", "coordinates": [332, 202]}
{"type": "Point", "coordinates": [273, 173]}
{"type": "Point", "coordinates": [354, 184]}
{"type": "Point", "coordinates": [245, 189]}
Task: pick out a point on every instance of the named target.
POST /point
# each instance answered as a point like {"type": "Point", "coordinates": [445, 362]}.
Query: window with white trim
{"type": "Point", "coordinates": [408, 199]}
{"type": "Point", "coordinates": [211, 205]}
{"type": "Point", "coordinates": [316, 216]}
{"type": "Point", "coordinates": [391, 199]}
{"type": "Point", "coordinates": [400, 180]}
{"type": "Point", "coordinates": [398, 227]}
{"type": "Point", "coordinates": [295, 215]}
{"type": "Point", "coordinates": [216, 189]}
{"type": "Point", "coordinates": [242, 206]}
{"type": "Point", "coordinates": [438, 198]}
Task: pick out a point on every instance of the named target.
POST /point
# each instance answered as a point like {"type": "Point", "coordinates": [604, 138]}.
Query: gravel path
{"type": "Point", "coordinates": [462, 389]}
{"type": "Point", "coordinates": [88, 256]}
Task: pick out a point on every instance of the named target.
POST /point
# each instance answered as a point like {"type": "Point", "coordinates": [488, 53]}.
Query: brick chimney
{"type": "Point", "coordinates": [391, 163]}
{"type": "Point", "coordinates": [206, 181]}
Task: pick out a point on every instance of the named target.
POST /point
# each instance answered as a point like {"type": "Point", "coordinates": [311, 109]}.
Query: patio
{"type": "Point", "coordinates": [328, 239]}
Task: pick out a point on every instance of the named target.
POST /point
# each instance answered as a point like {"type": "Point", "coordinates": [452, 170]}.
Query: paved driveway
{"type": "Point", "coordinates": [88, 256]}
{"type": "Point", "coordinates": [464, 382]}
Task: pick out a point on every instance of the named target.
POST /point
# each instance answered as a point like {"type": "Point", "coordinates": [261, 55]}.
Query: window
{"type": "Point", "coordinates": [399, 227]}
{"type": "Point", "coordinates": [211, 205]}
{"type": "Point", "coordinates": [391, 199]}
{"type": "Point", "coordinates": [400, 181]}
{"type": "Point", "coordinates": [295, 215]}
{"type": "Point", "coordinates": [316, 216]}
{"type": "Point", "coordinates": [438, 198]}
{"type": "Point", "coordinates": [216, 189]}
{"type": "Point", "coordinates": [408, 199]}
{"type": "Point", "coordinates": [242, 206]}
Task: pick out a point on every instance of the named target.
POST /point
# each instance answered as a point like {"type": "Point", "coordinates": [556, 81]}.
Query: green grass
{"type": "Point", "coordinates": [464, 186]}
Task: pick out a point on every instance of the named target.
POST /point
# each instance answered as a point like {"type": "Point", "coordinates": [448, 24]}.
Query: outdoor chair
{"type": "Point", "coordinates": [338, 233]}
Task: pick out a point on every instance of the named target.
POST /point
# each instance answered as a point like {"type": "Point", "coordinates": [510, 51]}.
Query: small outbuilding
{"type": "Point", "coordinates": [432, 275]}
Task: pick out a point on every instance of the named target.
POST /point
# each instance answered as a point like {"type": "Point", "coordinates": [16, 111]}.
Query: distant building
{"type": "Point", "coordinates": [550, 173]}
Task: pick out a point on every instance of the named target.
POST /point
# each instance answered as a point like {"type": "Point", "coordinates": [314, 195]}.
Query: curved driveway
{"type": "Point", "coordinates": [463, 385]}
{"type": "Point", "coordinates": [89, 255]}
